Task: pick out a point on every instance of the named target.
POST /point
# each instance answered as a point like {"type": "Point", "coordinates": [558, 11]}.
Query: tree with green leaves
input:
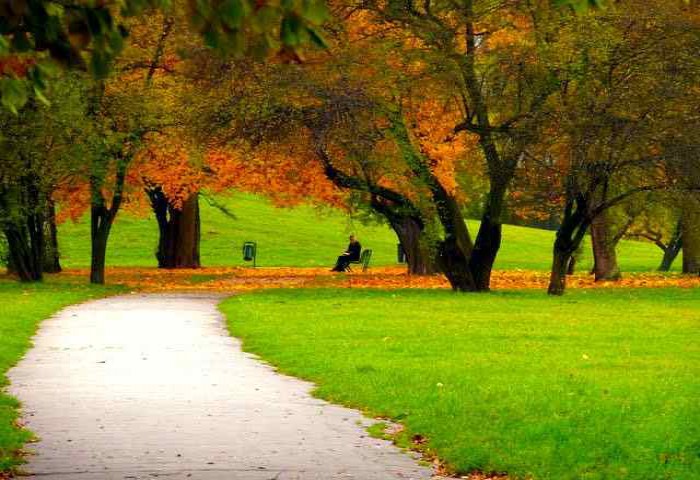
{"type": "Point", "coordinates": [614, 137]}
{"type": "Point", "coordinates": [42, 147]}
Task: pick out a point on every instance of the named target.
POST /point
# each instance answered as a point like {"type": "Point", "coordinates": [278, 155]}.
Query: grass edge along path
{"type": "Point", "coordinates": [22, 309]}
{"type": "Point", "coordinates": [596, 385]}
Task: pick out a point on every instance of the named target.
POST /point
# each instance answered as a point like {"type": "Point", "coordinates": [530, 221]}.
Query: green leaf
{"type": "Point", "coordinates": [14, 93]}
{"type": "Point", "coordinates": [99, 64]}
{"type": "Point", "coordinates": [4, 45]}
{"type": "Point", "coordinates": [232, 13]}
{"type": "Point", "coordinates": [52, 28]}
{"type": "Point", "coordinates": [289, 33]}
{"type": "Point", "coordinates": [40, 96]}
{"type": "Point", "coordinates": [316, 37]}
{"type": "Point", "coordinates": [211, 38]}
{"type": "Point", "coordinates": [48, 68]}
{"type": "Point", "coordinates": [54, 9]}
{"type": "Point", "coordinates": [316, 12]}
{"type": "Point", "coordinates": [116, 41]}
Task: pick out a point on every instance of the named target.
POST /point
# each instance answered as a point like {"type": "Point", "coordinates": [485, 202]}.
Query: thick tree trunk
{"type": "Point", "coordinates": [25, 252]}
{"type": "Point", "coordinates": [179, 231]}
{"type": "Point", "coordinates": [488, 239]}
{"type": "Point", "coordinates": [605, 265]}
{"type": "Point", "coordinates": [186, 229]}
{"type": "Point", "coordinates": [455, 266]}
{"type": "Point", "coordinates": [561, 260]}
{"type": "Point", "coordinates": [671, 250]}
{"type": "Point", "coordinates": [690, 235]}
{"type": "Point", "coordinates": [456, 249]}
{"type": "Point", "coordinates": [52, 263]}
{"type": "Point", "coordinates": [420, 257]}
{"type": "Point", "coordinates": [24, 231]}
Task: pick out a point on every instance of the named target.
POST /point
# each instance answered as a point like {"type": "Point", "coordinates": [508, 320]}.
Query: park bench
{"type": "Point", "coordinates": [364, 260]}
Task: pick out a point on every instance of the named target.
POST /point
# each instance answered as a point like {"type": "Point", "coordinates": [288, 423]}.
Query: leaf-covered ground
{"type": "Point", "coordinates": [599, 384]}
{"type": "Point", "coordinates": [235, 279]}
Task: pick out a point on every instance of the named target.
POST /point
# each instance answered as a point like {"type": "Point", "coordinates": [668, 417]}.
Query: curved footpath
{"type": "Point", "coordinates": [152, 386]}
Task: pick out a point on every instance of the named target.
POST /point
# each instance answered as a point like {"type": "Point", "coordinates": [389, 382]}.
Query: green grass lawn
{"type": "Point", "coordinates": [600, 384]}
{"type": "Point", "coordinates": [22, 307]}
{"type": "Point", "coordinates": [305, 237]}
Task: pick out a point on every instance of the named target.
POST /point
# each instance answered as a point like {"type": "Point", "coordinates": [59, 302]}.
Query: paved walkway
{"type": "Point", "coordinates": [151, 386]}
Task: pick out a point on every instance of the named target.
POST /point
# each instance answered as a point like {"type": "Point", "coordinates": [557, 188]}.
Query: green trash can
{"type": "Point", "coordinates": [250, 252]}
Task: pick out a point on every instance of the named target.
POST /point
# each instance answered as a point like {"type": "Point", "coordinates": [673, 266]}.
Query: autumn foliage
{"type": "Point", "coordinates": [417, 115]}
{"type": "Point", "coordinates": [236, 279]}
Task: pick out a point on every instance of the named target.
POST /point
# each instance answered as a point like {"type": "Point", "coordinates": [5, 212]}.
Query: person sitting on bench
{"type": "Point", "coordinates": [352, 254]}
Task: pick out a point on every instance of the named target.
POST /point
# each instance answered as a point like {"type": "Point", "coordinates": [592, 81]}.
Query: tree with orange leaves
{"type": "Point", "coordinates": [441, 102]}
{"type": "Point", "coordinates": [326, 114]}
{"type": "Point", "coordinates": [136, 103]}
{"type": "Point", "coordinates": [482, 60]}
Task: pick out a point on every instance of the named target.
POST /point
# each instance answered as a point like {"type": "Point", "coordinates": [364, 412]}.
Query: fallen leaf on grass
{"type": "Point", "coordinates": [236, 279]}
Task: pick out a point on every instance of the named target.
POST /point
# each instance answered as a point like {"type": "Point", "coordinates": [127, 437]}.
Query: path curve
{"type": "Point", "coordinates": [152, 386]}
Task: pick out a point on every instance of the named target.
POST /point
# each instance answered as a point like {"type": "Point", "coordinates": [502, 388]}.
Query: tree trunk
{"type": "Point", "coordinates": [419, 256]}
{"type": "Point", "coordinates": [488, 239]}
{"type": "Point", "coordinates": [455, 266]}
{"type": "Point", "coordinates": [101, 224]}
{"type": "Point", "coordinates": [568, 240]}
{"type": "Point", "coordinates": [98, 257]}
{"type": "Point", "coordinates": [25, 252]}
{"type": "Point", "coordinates": [605, 265]}
{"type": "Point", "coordinates": [52, 263]}
{"type": "Point", "coordinates": [188, 234]}
{"type": "Point", "coordinates": [671, 250]}
{"type": "Point", "coordinates": [24, 230]}
{"type": "Point", "coordinates": [690, 235]}
{"type": "Point", "coordinates": [179, 231]}
{"type": "Point", "coordinates": [561, 260]}
{"type": "Point", "coordinates": [102, 217]}
{"type": "Point", "coordinates": [456, 249]}
{"type": "Point", "coordinates": [670, 255]}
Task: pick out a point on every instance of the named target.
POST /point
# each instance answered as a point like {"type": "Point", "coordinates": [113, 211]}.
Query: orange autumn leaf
{"type": "Point", "coordinates": [233, 279]}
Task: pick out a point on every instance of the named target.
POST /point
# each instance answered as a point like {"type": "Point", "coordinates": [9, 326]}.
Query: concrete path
{"type": "Point", "coordinates": [152, 386]}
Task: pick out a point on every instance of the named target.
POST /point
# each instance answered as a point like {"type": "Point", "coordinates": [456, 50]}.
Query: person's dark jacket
{"type": "Point", "coordinates": [354, 250]}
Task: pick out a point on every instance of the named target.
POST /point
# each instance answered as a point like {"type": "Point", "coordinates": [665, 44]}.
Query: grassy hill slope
{"type": "Point", "coordinates": [305, 237]}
